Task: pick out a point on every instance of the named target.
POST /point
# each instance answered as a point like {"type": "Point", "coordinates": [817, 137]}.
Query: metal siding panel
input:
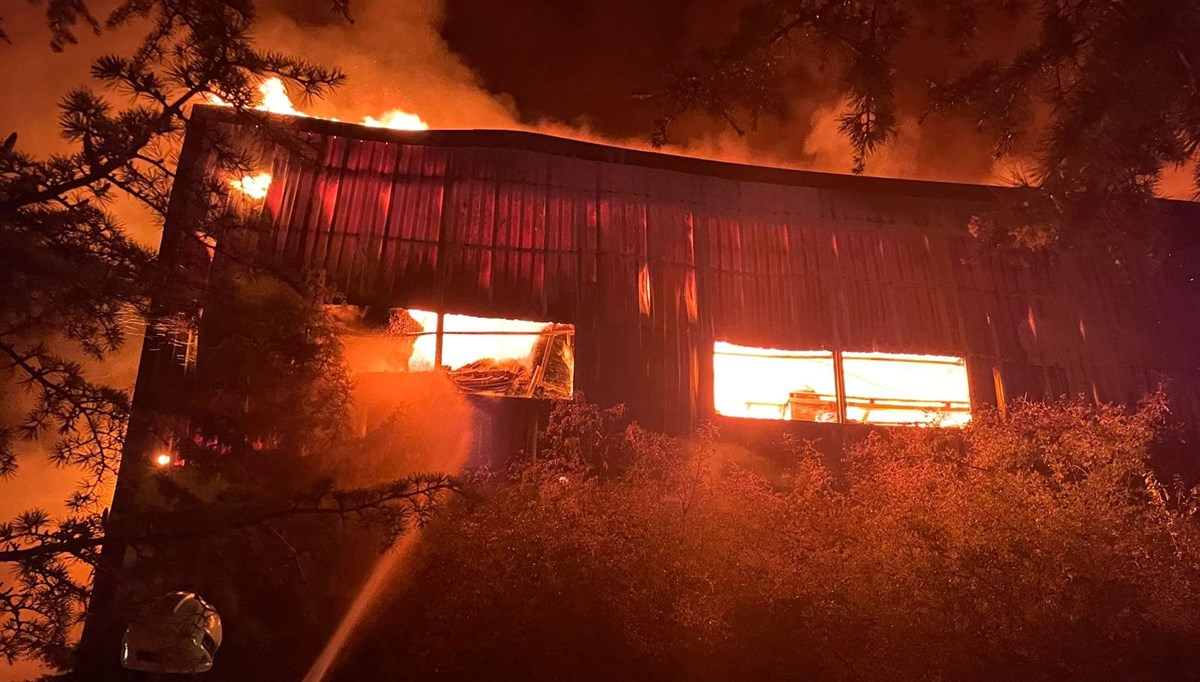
{"type": "Point", "coordinates": [537, 235]}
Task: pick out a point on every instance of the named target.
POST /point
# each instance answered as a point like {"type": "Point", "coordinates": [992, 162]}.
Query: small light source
{"type": "Point", "coordinates": [163, 459]}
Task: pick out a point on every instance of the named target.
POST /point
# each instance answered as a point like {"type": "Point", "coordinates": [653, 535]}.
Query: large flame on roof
{"type": "Point", "coordinates": [273, 98]}
{"type": "Point", "coordinates": [396, 119]}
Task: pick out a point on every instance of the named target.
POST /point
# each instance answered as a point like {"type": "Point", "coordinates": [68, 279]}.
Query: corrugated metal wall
{"type": "Point", "coordinates": [505, 231]}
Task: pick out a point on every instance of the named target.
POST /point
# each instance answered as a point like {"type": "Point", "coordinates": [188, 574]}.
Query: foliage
{"type": "Point", "coordinates": [273, 518]}
{"type": "Point", "coordinates": [852, 47]}
{"type": "Point", "coordinates": [78, 273]}
{"type": "Point", "coordinates": [273, 391]}
{"type": "Point", "coordinates": [258, 443]}
{"type": "Point", "coordinates": [1103, 94]}
{"type": "Point", "coordinates": [1037, 545]}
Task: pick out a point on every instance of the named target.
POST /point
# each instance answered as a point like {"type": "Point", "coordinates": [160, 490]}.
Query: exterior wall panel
{"type": "Point", "coordinates": [654, 258]}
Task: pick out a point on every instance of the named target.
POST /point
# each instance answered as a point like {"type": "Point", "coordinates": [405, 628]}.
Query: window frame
{"type": "Point", "coordinates": [845, 403]}
{"type": "Point", "coordinates": [549, 372]}
{"type": "Point", "coordinates": [537, 372]}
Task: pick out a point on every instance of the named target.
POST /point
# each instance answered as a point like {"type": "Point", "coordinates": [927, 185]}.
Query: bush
{"type": "Point", "coordinates": [1036, 545]}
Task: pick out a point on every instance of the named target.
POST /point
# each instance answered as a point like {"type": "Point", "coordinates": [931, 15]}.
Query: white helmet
{"type": "Point", "coordinates": [177, 634]}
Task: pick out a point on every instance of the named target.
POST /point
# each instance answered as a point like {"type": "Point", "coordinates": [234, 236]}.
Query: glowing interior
{"type": "Point", "coordinates": [884, 388]}
{"type": "Point", "coordinates": [759, 383]}
{"type": "Point", "coordinates": [880, 388]}
{"type": "Point", "coordinates": [481, 355]}
{"type": "Point", "coordinates": [514, 341]}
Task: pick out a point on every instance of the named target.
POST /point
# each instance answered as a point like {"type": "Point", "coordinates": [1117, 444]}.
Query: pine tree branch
{"type": "Point", "coordinates": [74, 546]}
{"type": "Point", "coordinates": [104, 170]}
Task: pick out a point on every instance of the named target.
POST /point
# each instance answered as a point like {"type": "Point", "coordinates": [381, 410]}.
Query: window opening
{"type": "Point", "coordinates": [766, 383]}
{"type": "Point", "coordinates": [492, 356]}
{"type": "Point", "coordinates": [873, 388]}
{"type": "Point", "coordinates": [885, 388]}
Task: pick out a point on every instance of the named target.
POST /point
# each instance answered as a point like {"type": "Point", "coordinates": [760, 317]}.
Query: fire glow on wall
{"type": "Point", "coordinates": [273, 98]}
{"type": "Point", "coordinates": [877, 299]}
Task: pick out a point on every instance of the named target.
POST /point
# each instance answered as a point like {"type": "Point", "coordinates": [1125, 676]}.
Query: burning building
{"type": "Point", "coordinates": [529, 266]}
{"type": "Point", "coordinates": [526, 268]}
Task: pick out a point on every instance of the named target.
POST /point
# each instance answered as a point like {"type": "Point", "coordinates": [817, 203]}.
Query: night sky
{"type": "Point", "coordinates": [572, 69]}
{"type": "Point", "coordinates": [580, 62]}
{"type": "Point", "coordinates": [564, 68]}
{"type": "Point", "coordinates": [577, 61]}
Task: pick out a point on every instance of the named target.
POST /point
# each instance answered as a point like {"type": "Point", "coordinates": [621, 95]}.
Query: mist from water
{"type": "Point", "coordinates": [410, 423]}
{"type": "Point", "coordinates": [367, 594]}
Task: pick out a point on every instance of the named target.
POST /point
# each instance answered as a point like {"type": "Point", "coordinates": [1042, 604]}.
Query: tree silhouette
{"type": "Point", "coordinates": [1103, 96]}
{"type": "Point", "coordinates": [73, 285]}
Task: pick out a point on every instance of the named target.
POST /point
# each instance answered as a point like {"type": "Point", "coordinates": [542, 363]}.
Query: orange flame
{"type": "Point", "coordinates": [253, 186]}
{"type": "Point", "coordinates": [397, 119]}
{"type": "Point", "coordinates": [878, 388]}
{"type": "Point", "coordinates": [274, 99]}
{"type": "Point", "coordinates": [465, 341]}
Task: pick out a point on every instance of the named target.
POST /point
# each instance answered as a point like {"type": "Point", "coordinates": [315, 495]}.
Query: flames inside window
{"type": "Point", "coordinates": [906, 389]}
{"type": "Point", "coordinates": [482, 355]}
{"type": "Point", "coordinates": [877, 388]}
{"type": "Point", "coordinates": [765, 383]}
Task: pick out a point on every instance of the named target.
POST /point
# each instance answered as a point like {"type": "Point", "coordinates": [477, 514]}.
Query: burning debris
{"type": "Point", "coordinates": [486, 356]}
{"type": "Point", "coordinates": [547, 372]}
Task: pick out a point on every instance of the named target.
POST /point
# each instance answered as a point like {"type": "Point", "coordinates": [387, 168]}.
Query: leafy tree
{"type": "Point", "coordinates": [1103, 95]}
{"type": "Point", "coordinates": [1033, 545]}
{"type": "Point", "coordinates": [73, 284]}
